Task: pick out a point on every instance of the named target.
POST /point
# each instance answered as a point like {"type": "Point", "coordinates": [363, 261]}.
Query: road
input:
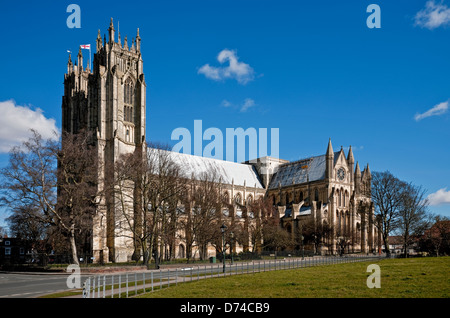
{"type": "Point", "coordinates": [13, 285]}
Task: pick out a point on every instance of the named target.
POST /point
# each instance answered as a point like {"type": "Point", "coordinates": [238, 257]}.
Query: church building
{"type": "Point", "coordinates": [110, 101]}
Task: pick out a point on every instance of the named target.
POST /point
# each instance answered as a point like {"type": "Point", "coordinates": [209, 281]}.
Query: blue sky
{"type": "Point", "coordinates": [313, 69]}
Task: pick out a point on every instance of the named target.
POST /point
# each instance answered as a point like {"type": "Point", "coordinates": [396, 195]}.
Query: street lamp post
{"type": "Point", "coordinates": [223, 228]}
{"type": "Point", "coordinates": [231, 248]}
{"type": "Point", "coordinates": [303, 248]}
{"type": "Point", "coordinates": [341, 242]}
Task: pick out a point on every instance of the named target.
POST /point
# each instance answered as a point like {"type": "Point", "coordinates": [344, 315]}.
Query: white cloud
{"type": "Point", "coordinates": [239, 71]}
{"type": "Point", "coordinates": [226, 103]}
{"type": "Point", "coordinates": [17, 121]}
{"type": "Point", "coordinates": [248, 103]}
{"type": "Point", "coordinates": [439, 197]}
{"type": "Point", "coordinates": [433, 15]}
{"type": "Point", "coordinates": [354, 148]}
{"type": "Point", "coordinates": [239, 106]}
{"type": "Point", "coordinates": [210, 72]}
{"type": "Point", "coordinates": [437, 110]}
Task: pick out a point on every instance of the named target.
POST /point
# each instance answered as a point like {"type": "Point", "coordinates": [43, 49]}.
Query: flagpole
{"type": "Point", "coordinates": [88, 47]}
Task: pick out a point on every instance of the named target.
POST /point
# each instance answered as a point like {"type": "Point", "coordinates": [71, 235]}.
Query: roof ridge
{"type": "Point", "coordinates": [299, 160]}
{"type": "Point", "coordinates": [208, 158]}
{"type": "Point", "coordinates": [239, 174]}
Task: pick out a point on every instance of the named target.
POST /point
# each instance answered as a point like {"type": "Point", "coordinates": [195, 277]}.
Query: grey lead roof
{"type": "Point", "coordinates": [298, 172]}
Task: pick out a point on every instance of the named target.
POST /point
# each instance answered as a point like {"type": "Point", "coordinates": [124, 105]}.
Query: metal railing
{"type": "Point", "coordinates": [130, 284]}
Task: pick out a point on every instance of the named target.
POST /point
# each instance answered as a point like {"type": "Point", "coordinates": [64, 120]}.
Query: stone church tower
{"type": "Point", "coordinates": [328, 191]}
{"type": "Point", "coordinates": [110, 101]}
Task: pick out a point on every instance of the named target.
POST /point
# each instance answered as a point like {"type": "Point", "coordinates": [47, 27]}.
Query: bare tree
{"type": "Point", "coordinates": [413, 215]}
{"type": "Point", "coordinates": [316, 233]}
{"type": "Point", "coordinates": [202, 220]}
{"type": "Point", "coordinates": [166, 182]}
{"type": "Point", "coordinates": [26, 223]}
{"type": "Point", "coordinates": [261, 208]}
{"type": "Point", "coordinates": [437, 237]}
{"type": "Point", "coordinates": [77, 176]}
{"type": "Point", "coordinates": [275, 237]}
{"type": "Point", "coordinates": [125, 178]}
{"type": "Point", "coordinates": [3, 232]}
{"type": "Point", "coordinates": [387, 199]}
{"type": "Point", "coordinates": [57, 183]}
{"type": "Point", "coordinates": [147, 186]}
{"type": "Point", "coordinates": [29, 181]}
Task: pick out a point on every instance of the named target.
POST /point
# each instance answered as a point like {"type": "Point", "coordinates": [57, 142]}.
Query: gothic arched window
{"type": "Point", "coordinates": [226, 197]}
{"type": "Point", "coordinates": [250, 199]}
{"type": "Point", "coordinates": [128, 99]}
{"type": "Point", "coordinates": [238, 198]}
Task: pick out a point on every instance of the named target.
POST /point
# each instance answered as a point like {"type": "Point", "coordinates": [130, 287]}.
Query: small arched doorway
{"type": "Point", "coordinates": [181, 251]}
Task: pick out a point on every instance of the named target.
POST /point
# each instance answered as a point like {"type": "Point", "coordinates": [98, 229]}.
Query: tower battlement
{"type": "Point", "coordinates": [110, 102]}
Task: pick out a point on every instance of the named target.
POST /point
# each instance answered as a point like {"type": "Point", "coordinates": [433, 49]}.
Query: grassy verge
{"type": "Point", "coordinates": [400, 278]}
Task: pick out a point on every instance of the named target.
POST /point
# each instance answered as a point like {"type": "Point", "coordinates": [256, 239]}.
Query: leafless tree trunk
{"type": "Point", "coordinates": [58, 181]}
{"type": "Point", "coordinates": [77, 176]}
{"type": "Point", "coordinates": [275, 237]}
{"type": "Point", "coordinates": [147, 185]}
{"type": "Point", "coordinates": [316, 233]}
{"type": "Point", "coordinates": [413, 215]}
{"type": "Point", "coordinates": [25, 223]}
{"type": "Point", "coordinates": [2, 232]}
{"type": "Point", "coordinates": [261, 208]}
{"type": "Point", "coordinates": [438, 235]}
{"type": "Point", "coordinates": [387, 199]}
{"type": "Point", "coordinates": [205, 220]}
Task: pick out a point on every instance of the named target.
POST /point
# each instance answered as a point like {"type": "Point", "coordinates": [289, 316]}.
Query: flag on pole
{"type": "Point", "coordinates": [87, 47]}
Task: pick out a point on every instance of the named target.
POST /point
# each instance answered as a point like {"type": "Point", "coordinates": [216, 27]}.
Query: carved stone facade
{"type": "Point", "coordinates": [329, 192]}
{"type": "Point", "coordinates": [110, 100]}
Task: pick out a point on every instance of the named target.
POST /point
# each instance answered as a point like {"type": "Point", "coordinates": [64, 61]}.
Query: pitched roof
{"type": "Point", "coordinates": [240, 174]}
{"type": "Point", "coordinates": [299, 172]}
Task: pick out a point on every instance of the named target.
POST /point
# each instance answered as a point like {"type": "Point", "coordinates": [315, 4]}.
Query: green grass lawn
{"type": "Point", "coordinates": [400, 278]}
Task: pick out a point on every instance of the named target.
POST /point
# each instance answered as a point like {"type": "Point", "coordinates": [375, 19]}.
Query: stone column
{"type": "Point", "coordinates": [295, 210]}
{"type": "Point", "coordinates": [99, 248]}
{"type": "Point", "coordinates": [281, 210]}
{"type": "Point", "coordinates": [314, 212]}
